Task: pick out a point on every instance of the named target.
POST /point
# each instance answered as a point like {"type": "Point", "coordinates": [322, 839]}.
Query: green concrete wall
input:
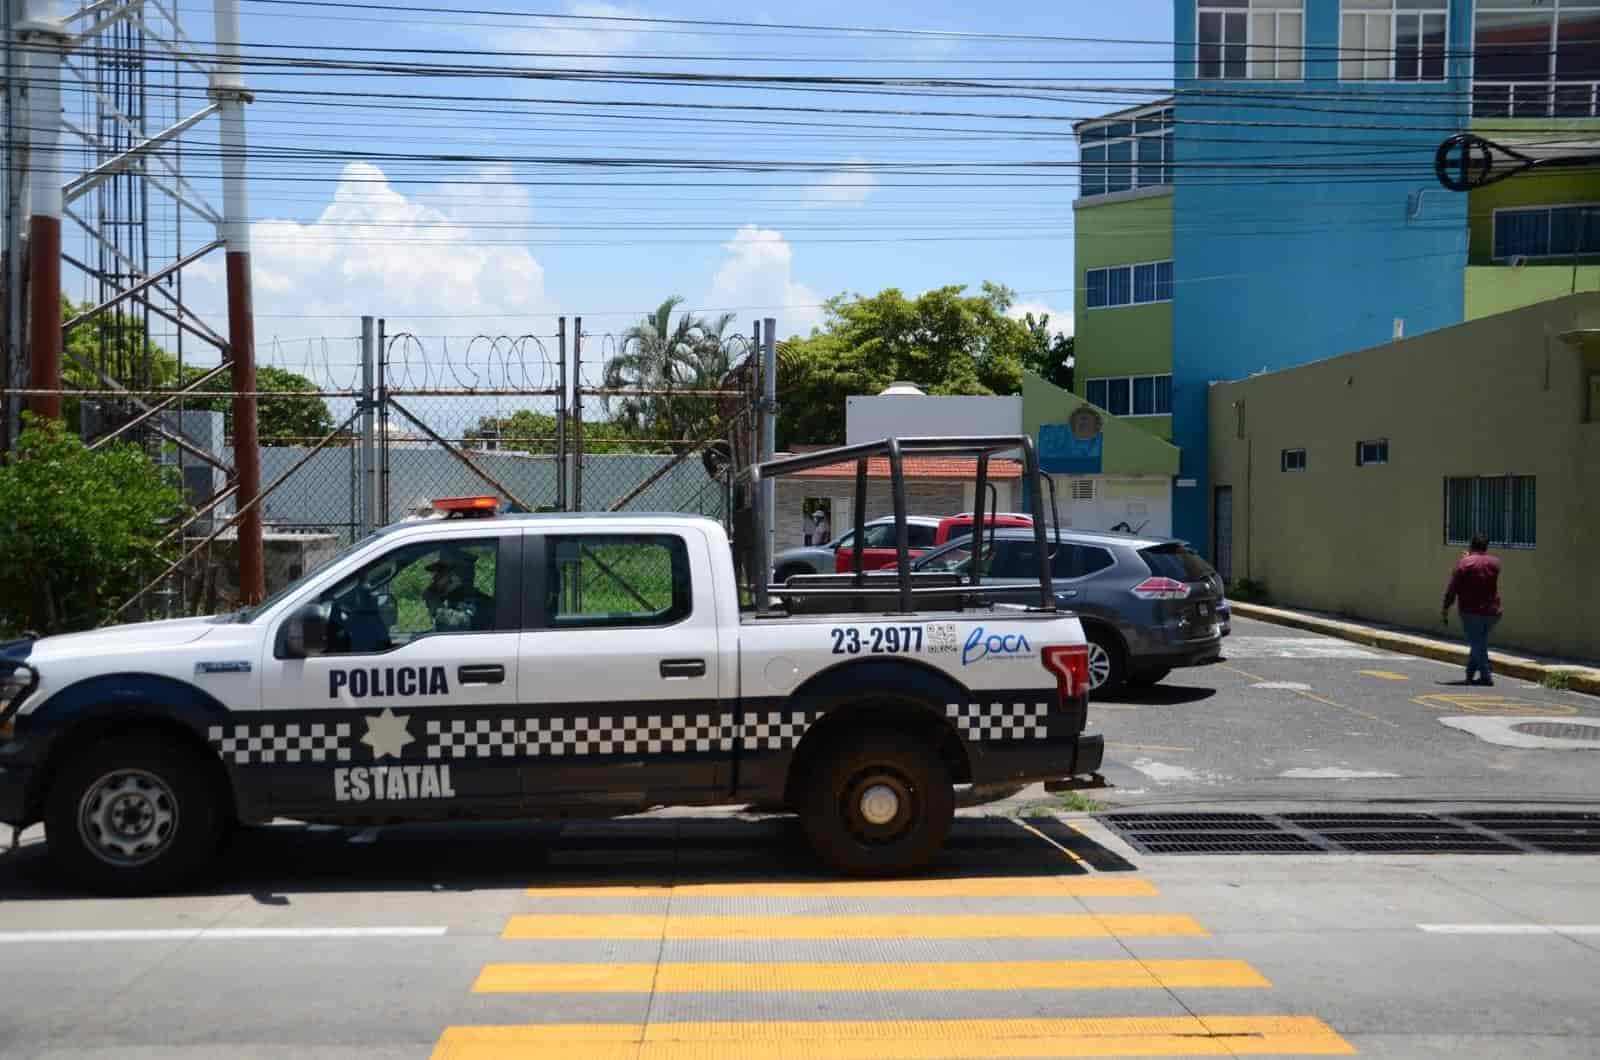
{"type": "Point", "coordinates": [1495, 289]}
{"type": "Point", "coordinates": [1500, 395]}
{"type": "Point", "coordinates": [1534, 189]}
{"type": "Point", "coordinates": [1128, 340]}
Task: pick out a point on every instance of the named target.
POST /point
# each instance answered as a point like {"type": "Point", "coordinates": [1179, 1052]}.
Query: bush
{"type": "Point", "coordinates": [80, 531]}
{"type": "Point", "coordinates": [1249, 591]}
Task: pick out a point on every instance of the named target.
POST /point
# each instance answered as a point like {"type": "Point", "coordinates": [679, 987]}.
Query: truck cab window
{"type": "Point", "coordinates": [617, 580]}
{"type": "Point", "coordinates": [415, 591]}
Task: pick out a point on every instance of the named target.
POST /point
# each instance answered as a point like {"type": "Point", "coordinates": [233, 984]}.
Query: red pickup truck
{"type": "Point", "coordinates": [923, 533]}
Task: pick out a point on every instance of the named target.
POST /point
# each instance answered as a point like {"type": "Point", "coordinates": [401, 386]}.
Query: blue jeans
{"type": "Point", "coordinates": [1478, 627]}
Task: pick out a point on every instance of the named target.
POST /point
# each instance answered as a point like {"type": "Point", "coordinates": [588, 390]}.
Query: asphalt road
{"type": "Point", "coordinates": [712, 936]}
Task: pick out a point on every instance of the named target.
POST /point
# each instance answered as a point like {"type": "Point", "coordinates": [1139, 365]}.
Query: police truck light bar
{"type": "Point", "coordinates": [467, 507]}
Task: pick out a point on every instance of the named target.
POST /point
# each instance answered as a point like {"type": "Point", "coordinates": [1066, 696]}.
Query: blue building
{"type": "Point", "coordinates": [1296, 199]}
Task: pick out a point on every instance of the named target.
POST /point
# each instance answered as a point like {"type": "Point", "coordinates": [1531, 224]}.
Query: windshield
{"type": "Point", "coordinates": [246, 614]}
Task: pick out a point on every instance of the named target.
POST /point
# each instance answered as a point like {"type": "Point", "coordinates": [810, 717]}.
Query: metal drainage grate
{"type": "Point", "coordinates": [1359, 833]}
{"type": "Point", "coordinates": [1559, 730]}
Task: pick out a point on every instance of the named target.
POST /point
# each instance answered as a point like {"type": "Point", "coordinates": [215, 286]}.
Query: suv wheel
{"type": "Point", "coordinates": [1107, 667]}
{"type": "Point", "coordinates": [878, 804]}
{"type": "Point", "coordinates": [132, 817]}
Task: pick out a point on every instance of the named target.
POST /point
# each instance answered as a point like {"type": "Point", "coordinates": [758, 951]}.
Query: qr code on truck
{"type": "Point", "coordinates": [942, 638]}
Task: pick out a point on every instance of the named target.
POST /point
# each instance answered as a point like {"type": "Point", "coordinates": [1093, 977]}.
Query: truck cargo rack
{"type": "Point", "coordinates": [907, 588]}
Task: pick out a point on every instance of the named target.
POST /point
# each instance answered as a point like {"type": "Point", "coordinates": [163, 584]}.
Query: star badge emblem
{"type": "Point", "coordinates": [387, 734]}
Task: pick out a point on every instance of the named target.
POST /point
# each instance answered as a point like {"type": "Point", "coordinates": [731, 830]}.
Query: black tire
{"type": "Point", "coordinates": [1148, 678]}
{"type": "Point", "coordinates": [834, 808]}
{"type": "Point", "coordinates": [1114, 667]}
{"type": "Point", "coordinates": [132, 817]}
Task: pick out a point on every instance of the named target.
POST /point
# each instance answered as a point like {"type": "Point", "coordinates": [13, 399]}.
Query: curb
{"type": "Point", "coordinates": [1581, 679]}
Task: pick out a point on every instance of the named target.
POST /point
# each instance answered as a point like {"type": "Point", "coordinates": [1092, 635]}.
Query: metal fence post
{"type": "Point", "coordinates": [368, 476]}
{"type": "Point", "coordinates": [769, 431]}
{"type": "Point", "coordinates": [561, 418]}
{"type": "Point", "coordinates": [577, 414]}
{"type": "Point", "coordinates": [382, 451]}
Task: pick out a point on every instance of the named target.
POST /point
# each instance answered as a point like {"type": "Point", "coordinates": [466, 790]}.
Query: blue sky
{"type": "Point", "coordinates": [512, 235]}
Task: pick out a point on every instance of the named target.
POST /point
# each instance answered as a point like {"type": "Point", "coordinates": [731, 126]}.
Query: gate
{"type": "Point", "coordinates": [1222, 532]}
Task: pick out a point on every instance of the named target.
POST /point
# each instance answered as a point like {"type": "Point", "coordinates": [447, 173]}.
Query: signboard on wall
{"type": "Point", "coordinates": [1076, 447]}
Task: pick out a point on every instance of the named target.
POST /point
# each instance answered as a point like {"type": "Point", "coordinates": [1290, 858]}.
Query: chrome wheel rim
{"type": "Point", "coordinates": [128, 817]}
{"type": "Point", "coordinates": [1099, 665]}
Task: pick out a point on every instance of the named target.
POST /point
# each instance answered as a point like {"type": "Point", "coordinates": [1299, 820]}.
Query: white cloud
{"type": "Point", "coordinates": [1060, 319]}
{"type": "Point", "coordinates": [589, 42]}
{"type": "Point", "coordinates": [375, 250]}
{"type": "Point", "coordinates": [759, 271]}
{"type": "Point", "coordinates": [848, 186]}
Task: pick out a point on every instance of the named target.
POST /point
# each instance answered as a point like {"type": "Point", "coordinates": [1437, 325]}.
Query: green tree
{"type": "Point", "coordinates": [945, 341]}
{"type": "Point", "coordinates": [535, 432]}
{"type": "Point", "coordinates": [80, 530]}
{"type": "Point", "coordinates": [659, 354]}
{"type": "Point", "coordinates": [279, 420]}
{"type": "Point", "coordinates": [1049, 354]}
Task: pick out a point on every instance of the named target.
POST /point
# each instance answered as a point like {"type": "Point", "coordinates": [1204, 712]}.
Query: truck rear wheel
{"type": "Point", "coordinates": [878, 804]}
{"type": "Point", "coordinates": [132, 818]}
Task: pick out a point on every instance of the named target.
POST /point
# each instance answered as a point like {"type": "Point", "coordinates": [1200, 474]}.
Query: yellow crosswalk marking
{"type": "Point", "coordinates": [910, 1039]}
{"type": "Point", "coordinates": [688, 978]}
{"type": "Point", "coordinates": [888, 926]}
{"type": "Point", "coordinates": [1385, 675]}
{"type": "Point", "coordinates": [985, 887]}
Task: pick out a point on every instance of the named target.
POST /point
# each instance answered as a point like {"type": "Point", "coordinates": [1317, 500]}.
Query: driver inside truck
{"type": "Point", "coordinates": [453, 600]}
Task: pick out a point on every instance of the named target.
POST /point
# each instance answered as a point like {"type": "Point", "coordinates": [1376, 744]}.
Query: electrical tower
{"type": "Point", "coordinates": [121, 131]}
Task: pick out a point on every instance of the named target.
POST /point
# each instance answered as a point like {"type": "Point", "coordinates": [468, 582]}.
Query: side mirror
{"type": "Point", "coordinates": [304, 633]}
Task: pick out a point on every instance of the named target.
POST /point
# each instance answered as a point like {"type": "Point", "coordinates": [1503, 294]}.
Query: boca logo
{"type": "Point", "coordinates": [384, 681]}
{"type": "Point", "coordinates": [994, 646]}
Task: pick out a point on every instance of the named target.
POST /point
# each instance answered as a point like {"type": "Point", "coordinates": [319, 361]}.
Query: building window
{"type": "Point", "coordinates": [1503, 508]}
{"type": "Point", "coordinates": [1294, 460]}
{"type": "Point", "coordinates": [1133, 395]}
{"type": "Point", "coordinates": [1374, 452]}
{"type": "Point", "coordinates": [1547, 231]}
{"type": "Point", "coordinates": [1392, 40]}
{"type": "Point", "coordinates": [1134, 151]}
{"type": "Point", "coordinates": [1258, 39]}
{"type": "Point", "coordinates": [1536, 59]}
{"type": "Point", "coordinates": [1121, 285]}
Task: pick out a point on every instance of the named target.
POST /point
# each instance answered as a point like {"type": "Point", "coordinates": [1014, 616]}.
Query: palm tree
{"type": "Point", "coordinates": [662, 356]}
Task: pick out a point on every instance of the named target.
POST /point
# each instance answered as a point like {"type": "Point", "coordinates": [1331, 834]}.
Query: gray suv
{"type": "Point", "coordinates": [1149, 605]}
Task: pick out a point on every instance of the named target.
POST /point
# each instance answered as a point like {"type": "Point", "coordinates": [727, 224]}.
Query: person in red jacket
{"type": "Point", "coordinates": [1476, 584]}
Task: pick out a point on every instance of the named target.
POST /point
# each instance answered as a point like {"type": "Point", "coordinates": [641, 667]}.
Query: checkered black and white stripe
{"type": "Point", "coordinates": [1000, 721]}
{"type": "Point", "coordinates": [245, 745]}
{"type": "Point", "coordinates": [480, 738]}
{"type": "Point", "coordinates": [630, 734]}
{"type": "Point", "coordinates": [775, 730]}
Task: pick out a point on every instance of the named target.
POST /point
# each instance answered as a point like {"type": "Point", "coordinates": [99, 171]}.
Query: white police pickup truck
{"type": "Point", "coordinates": [528, 666]}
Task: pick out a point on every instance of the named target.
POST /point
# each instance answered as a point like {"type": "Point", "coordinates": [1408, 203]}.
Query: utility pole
{"type": "Point", "coordinates": [228, 92]}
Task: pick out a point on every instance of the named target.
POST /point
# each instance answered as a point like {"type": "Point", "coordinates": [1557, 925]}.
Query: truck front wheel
{"type": "Point", "coordinates": [132, 818]}
{"type": "Point", "coordinates": [878, 804]}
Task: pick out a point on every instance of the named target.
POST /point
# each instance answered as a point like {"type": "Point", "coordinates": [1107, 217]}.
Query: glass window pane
{"type": "Point", "coordinates": [1351, 41]}
{"type": "Point", "coordinates": [417, 590]}
{"type": "Point", "coordinates": [1093, 173]}
{"type": "Point", "coordinates": [1489, 510]}
{"type": "Point", "coordinates": [1512, 45]}
{"type": "Point", "coordinates": [1163, 395]}
{"type": "Point", "coordinates": [1524, 511]}
{"type": "Point", "coordinates": [1144, 283]}
{"type": "Point", "coordinates": [1119, 286]}
{"type": "Point", "coordinates": [1119, 171]}
{"type": "Point", "coordinates": [1233, 50]}
{"type": "Point", "coordinates": [1149, 161]}
{"type": "Point", "coordinates": [1119, 130]}
{"type": "Point", "coordinates": [618, 580]}
{"type": "Point", "coordinates": [1092, 133]}
{"type": "Point", "coordinates": [919, 535]}
{"type": "Point", "coordinates": [1163, 281]}
{"type": "Point", "coordinates": [1578, 45]}
{"type": "Point", "coordinates": [1375, 66]}
{"type": "Point", "coordinates": [1289, 47]}
{"type": "Point", "coordinates": [1117, 396]}
{"type": "Point", "coordinates": [1095, 393]}
{"type": "Point", "coordinates": [1144, 396]}
{"type": "Point", "coordinates": [1407, 47]}
{"type": "Point", "coordinates": [1521, 232]}
{"type": "Point", "coordinates": [1095, 284]}
{"type": "Point", "coordinates": [1263, 37]}
{"type": "Point", "coordinates": [1208, 58]}
{"type": "Point", "coordinates": [1433, 47]}
{"type": "Point", "coordinates": [1491, 101]}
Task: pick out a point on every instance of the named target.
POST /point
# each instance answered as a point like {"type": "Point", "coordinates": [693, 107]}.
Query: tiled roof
{"type": "Point", "coordinates": [964, 468]}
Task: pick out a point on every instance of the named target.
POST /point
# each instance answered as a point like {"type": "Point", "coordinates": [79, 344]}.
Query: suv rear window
{"type": "Point", "coordinates": [1178, 562]}
{"type": "Point", "coordinates": [919, 535]}
{"type": "Point", "coordinates": [1077, 561]}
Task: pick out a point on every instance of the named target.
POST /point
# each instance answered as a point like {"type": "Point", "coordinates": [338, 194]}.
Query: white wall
{"type": "Point", "coordinates": [867, 419]}
{"type": "Point", "coordinates": [1145, 504]}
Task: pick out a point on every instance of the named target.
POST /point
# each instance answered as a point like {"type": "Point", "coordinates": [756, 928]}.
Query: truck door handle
{"type": "Point", "coordinates": [481, 675]}
{"type": "Point", "coordinates": [683, 667]}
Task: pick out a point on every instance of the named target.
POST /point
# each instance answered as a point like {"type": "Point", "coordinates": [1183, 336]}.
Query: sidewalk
{"type": "Point", "coordinates": [1580, 677]}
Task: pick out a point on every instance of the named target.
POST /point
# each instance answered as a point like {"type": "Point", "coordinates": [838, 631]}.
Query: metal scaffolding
{"type": "Point", "coordinates": [99, 208]}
